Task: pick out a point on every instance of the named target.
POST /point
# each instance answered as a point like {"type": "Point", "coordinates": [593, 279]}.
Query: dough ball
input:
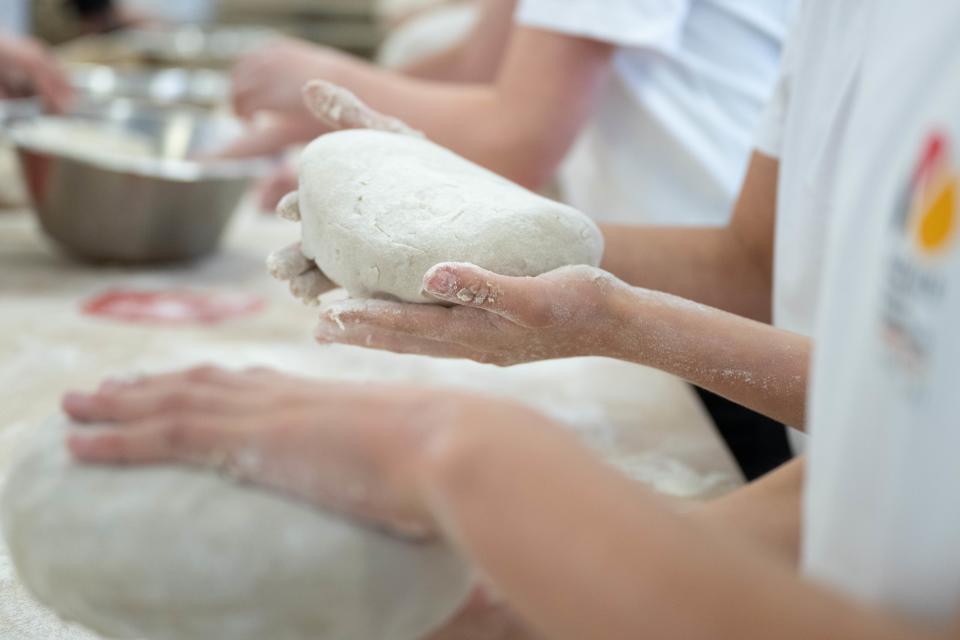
{"type": "Point", "coordinates": [379, 209]}
{"type": "Point", "coordinates": [174, 553]}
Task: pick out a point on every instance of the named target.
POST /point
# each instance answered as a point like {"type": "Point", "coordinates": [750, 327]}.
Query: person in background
{"type": "Point", "coordinates": [674, 88]}
{"type": "Point", "coordinates": [866, 122]}
{"type": "Point", "coordinates": [27, 68]}
{"type": "Point", "coordinates": [647, 108]}
{"type": "Point", "coordinates": [417, 31]}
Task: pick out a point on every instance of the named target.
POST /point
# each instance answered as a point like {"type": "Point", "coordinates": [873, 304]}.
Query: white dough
{"type": "Point", "coordinates": [379, 209]}
{"type": "Point", "coordinates": [173, 553]}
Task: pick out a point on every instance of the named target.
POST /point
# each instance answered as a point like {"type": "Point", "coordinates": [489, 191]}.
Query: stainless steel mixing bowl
{"type": "Point", "coordinates": [162, 206]}
{"type": "Point", "coordinates": [165, 86]}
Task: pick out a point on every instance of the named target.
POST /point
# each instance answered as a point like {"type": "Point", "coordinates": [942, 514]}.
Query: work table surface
{"type": "Point", "coordinates": [645, 422]}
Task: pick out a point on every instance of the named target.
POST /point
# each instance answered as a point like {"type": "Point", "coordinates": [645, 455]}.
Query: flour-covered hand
{"type": "Point", "coordinates": [571, 311]}
{"type": "Point", "coordinates": [366, 450]}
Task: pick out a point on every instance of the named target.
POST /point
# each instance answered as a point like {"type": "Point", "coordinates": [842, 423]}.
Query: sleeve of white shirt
{"type": "Point", "coordinates": [625, 23]}
{"type": "Point", "coordinates": [769, 135]}
{"type": "Point", "coordinates": [769, 138]}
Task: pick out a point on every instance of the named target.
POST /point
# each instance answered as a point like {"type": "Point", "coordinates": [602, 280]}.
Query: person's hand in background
{"type": "Point", "coordinates": [270, 79]}
{"type": "Point", "coordinates": [27, 68]}
{"type": "Point", "coordinates": [272, 189]}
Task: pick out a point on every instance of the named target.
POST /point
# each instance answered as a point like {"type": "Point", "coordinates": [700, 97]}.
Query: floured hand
{"type": "Point", "coordinates": [572, 311]}
{"type": "Point", "coordinates": [365, 450]}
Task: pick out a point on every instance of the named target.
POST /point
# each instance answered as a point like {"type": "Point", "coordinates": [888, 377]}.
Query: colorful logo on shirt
{"type": "Point", "coordinates": [930, 208]}
{"type": "Point", "coordinates": [916, 283]}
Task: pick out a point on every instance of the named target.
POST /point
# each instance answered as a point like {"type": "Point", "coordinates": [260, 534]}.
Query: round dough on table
{"type": "Point", "coordinates": [174, 553]}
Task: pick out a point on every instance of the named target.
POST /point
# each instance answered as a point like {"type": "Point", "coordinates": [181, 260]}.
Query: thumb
{"type": "Point", "coordinates": [523, 300]}
{"type": "Point", "coordinates": [338, 108]}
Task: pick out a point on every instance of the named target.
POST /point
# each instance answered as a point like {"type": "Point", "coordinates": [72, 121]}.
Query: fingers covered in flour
{"type": "Point", "coordinates": [525, 301]}
{"type": "Point", "coordinates": [307, 282]}
{"type": "Point", "coordinates": [191, 436]}
{"type": "Point", "coordinates": [401, 328]}
{"type": "Point", "coordinates": [194, 414]}
{"type": "Point", "coordinates": [495, 319]}
{"type": "Point", "coordinates": [338, 108]}
{"type": "Point", "coordinates": [349, 447]}
{"type": "Point", "coordinates": [201, 389]}
{"type": "Point", "coordinates": [359, 321]}
{"type": "Point", "coordinates": [289, 262]}
{"type": "Point", "coordinates": [310, 285]}
{"type": "Point", "coordinates": [289, 206]}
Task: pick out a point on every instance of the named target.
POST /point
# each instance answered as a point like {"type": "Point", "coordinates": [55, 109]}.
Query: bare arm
{"type": "Point", "coordinates": [652, 573]}
{"type": "Point", "coordinates": [576, 549]}
{"type": "Point", "coordinates": [578, 311]}
{"type": "Point", "coordinates": [519, 126]}
{"type": "Point", "coordinates": [583, 311]}
{"type": "Point", "coordinates": [728, 267]}
{"type": "Point", "coordinates": [766, 513]}
{"type": "Point", "coordinates": [478, 58]}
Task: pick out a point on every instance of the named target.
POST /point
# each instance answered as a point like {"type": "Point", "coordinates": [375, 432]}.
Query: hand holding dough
{"type": "Point", "coordinates": [568, 312]}
{"type": "Point", "coordinates": [378, 208]}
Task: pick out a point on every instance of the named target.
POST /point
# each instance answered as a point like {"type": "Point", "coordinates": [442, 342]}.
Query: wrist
{"type": "Point", "coordinates": [630, 312]}
{"type": "Point", "coordinates": [462, 448]}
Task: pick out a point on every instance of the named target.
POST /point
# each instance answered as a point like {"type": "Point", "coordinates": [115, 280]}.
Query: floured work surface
{"type": "Point", "coordinates": [643, 420]}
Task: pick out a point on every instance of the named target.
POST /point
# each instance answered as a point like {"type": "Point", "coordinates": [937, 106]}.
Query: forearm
{"type": "Point", "coordinates": [520, 126]}
{"type": "Point", "coordinates": [704, 264]}
{"type": "Point", "coordinates": [479, 56]}
{"type": "Point", "coordinates": [749, 362]}
{"type": "Point", "coordinates": [765, 513]}
{"type": "Point", "coordinates": [474, 120]}
{"type": "Point", "coordinates": [496, 128]}
{"type": "Point", "coordinates": [728, 267]}
{"type": "Point", "coordinates": [444, 66]}
{"type": "Point", "coordinates": [615, 562]}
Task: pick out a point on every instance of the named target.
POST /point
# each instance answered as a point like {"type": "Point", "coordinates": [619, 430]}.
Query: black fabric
{"type": "Point", "coordinates": [90, 8]}
{"type": "Point", "coordinates": [758, 443]}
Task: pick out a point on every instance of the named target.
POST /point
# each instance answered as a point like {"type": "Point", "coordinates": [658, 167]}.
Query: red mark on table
{"type": "Point", "coordinates": [175, 307]}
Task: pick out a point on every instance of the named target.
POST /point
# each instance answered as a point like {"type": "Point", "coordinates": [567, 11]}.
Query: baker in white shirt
{"type": "Point", "coordinates": [880, 557]}
{"type": "Point", "coordinates": [665, 138]}
{"type": "Point", "coordinates": [14, 16]}
{"type": "Point", "coordinates": [669, 139]}
{"type": "Point", "coordinates": [659, 101]}
{"type": "Point", "coordinates": [882, 521]}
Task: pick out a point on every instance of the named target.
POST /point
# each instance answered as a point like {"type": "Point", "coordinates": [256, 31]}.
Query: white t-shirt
{"type": "Point", "coordinates": [669, 141]}
{"type": "Point", "coordinates": [802, 126]}
{"type": "Point", "coordinates": [882, 519]}
{"type": "Point", "coordinates": [14, 16]}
